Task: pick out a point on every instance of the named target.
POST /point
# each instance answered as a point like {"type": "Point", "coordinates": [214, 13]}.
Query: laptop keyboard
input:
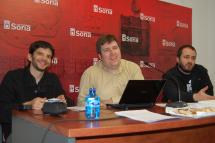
{"type": "Point", "coordinates": [131, 106]}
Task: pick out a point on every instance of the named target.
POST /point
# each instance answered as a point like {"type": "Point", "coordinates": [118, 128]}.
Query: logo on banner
{"type": "Point", "coordinates": [99, 9]}
{"type": "Point", "coordinates": [126, 38]}
{"type": "Point", "coordinates": [181, 24]}
{"type": "Point", "coordinates": [166, 43]}
{"type": "Point", "coordinates": [142, 65]}
{"type": "Point", "coordinates": [55, 60]}
{"type": "Point", "coordinates": [78, 33]}
{"type": "Point", "coordinates": [48, 2]}
{"type": "Point", "coordinates": [73, 88]}
{"type": "Point", "coordinates": [146, 17]}
{"type": "Point", "coordinates": [7, 24]}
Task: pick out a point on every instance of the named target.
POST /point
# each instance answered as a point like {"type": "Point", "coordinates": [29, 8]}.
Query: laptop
{"type": "Point", "coordinates": [140, 94]}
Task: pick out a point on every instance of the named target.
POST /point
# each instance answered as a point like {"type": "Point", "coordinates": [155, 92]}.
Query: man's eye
{"type": "Point", "coordinates": [49, 56]}
{"type": "Point", "coordinates": [115, 47]}
{"type": "Point", "coordinates": [194, 58]}
{"type": "Point", "coordinates": [106, 50]}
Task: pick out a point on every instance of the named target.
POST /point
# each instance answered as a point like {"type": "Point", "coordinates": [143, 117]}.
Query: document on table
{"type": "Point", "coordinates": [144, 115]}
{"type": "Point", "coordinates": [76, 108]}
{"type": "Point", "coordinates": [206, 103]}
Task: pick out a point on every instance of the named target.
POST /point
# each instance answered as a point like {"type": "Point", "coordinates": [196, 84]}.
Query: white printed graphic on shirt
{"type": "Point", "coordinates": [189, 87]}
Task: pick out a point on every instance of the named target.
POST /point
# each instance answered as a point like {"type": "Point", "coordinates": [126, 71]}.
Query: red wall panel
{"type": "Point", "coordinates": [147, 30]}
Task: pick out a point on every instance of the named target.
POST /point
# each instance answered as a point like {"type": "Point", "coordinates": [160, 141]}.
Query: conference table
{"type": "Point", "coordinates": [32, 126]}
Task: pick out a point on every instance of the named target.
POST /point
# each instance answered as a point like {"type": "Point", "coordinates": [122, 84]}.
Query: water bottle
{"type": "Point", "coordinates": [92, 105]}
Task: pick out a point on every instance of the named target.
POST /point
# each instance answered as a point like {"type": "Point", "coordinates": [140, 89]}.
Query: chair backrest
{"type": "Point", "coordinates": [0, 134]}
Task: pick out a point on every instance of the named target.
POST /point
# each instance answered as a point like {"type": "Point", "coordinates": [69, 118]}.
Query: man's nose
{"type": "Point", "coordinates": [111, 51]}
{"type": "Point", "coordinates": [190, 60]}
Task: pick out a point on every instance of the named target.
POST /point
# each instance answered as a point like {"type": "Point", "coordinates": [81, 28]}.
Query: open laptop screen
{"type": "Point", "coordinates": [142, 91]}
{"type": "Point", "coordinates": [140, 94]}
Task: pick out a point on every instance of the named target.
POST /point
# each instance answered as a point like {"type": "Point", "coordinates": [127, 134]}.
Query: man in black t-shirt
{"type": "Point", "coordinates": [193, 79]}
{"type": "Point", "coordinates": [31, 85]}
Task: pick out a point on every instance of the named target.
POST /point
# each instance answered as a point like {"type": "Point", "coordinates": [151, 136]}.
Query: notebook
{"type": "Point", "coordinates": [140, 94]}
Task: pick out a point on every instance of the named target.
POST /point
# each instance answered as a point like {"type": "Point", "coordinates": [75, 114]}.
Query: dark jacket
{"type": "Point", "coordinates": [198, 78]}
{"type": "Point", "coordinates": [19, 86]}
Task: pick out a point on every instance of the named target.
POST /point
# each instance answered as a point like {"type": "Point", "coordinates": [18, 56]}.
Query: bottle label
{"type": "Point", "coordinates": [93, 102]}
{"type": "Point", "coordinates": [92, 108]}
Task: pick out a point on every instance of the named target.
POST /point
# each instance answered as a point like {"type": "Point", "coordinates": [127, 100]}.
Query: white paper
{"type": "Point", "coordinates": [207, 103]}
{"type": "Point", "coordinates": [76, 108]}
{"type": "Point", "coordinates": [143, 115]}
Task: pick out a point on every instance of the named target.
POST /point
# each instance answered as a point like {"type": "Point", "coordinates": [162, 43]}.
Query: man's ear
{"type": "Point", "coordinates": [100, 57]}
{"type": "Point", "coordinates": [177, 59]}
{"type": "Point", "coordinates": [29, 57]}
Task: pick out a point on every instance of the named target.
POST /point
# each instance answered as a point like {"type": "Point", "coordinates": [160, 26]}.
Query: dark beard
{"type": "Point", "coordinates": [41, 70]}
{"type": "Point", "coordinates": [37, 68]}
{"type": "Point", "coordinates": [182, 70]}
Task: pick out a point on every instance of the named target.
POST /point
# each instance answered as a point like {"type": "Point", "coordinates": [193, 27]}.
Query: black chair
{"type": "Point", "coordinates": [9, 138]}
{"type": "Point", "coordinates": [0, 134]}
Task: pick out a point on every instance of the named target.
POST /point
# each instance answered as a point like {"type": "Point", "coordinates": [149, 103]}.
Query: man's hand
{"type": "Point", "coordinates": [104, 102]}
{"type": "Point", "coordinates": [36, 103]}
{"type": "Point", "coordinates": [202, 95]}
{"type": "Point", "coordinates": [62, 98]}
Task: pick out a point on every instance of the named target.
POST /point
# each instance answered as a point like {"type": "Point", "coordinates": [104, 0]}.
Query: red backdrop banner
{"type": "Point", "coordinates": [147, 30]}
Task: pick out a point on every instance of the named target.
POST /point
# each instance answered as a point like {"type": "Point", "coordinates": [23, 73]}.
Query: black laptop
{"type": "Point", "coordinates": [140, 94]}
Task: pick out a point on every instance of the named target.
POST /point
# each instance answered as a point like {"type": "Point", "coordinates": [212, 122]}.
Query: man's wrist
{"type": "Point", "coordinates": [195, 97]}
{"type": "Point", "coordinates": [27, 103]}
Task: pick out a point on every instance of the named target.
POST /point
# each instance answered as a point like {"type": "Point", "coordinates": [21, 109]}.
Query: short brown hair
{"type": "Point", "coordinates": [104, 39]}
{"type": "Point", "coordinates": [41, 44]}
{"type": "Point", "coordinates": [180, 49]}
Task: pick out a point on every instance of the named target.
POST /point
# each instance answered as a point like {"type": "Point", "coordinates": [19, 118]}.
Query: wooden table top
{"type": "Point", "coordinates": [74, 124]}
